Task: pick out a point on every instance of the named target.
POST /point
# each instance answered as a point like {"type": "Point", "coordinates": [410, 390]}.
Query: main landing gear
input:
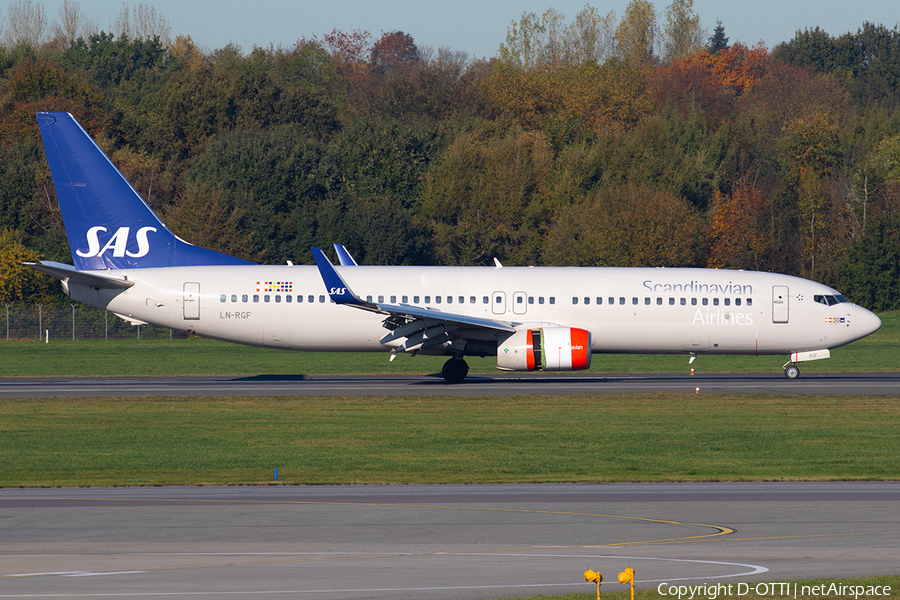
{"type": "Point", "coordinates": [455, 370]}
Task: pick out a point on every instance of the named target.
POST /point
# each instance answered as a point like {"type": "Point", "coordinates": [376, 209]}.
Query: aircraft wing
{"type": "Point", "coordinates": [422, 327]}
{"type": "Point", "coordinates": [70, 274]}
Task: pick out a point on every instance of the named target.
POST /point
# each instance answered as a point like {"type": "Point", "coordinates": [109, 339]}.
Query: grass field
{"type": "Point", "coordinates": [220, 441]}
{"type": "Point", "coordinates": [878, 352]}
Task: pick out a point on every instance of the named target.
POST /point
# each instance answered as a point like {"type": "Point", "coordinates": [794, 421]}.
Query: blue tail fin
{"type": "Point", "coordinates": [108, 224]}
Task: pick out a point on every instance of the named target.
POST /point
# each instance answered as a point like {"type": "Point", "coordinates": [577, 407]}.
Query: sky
{"type": "Point", "coordinates": [476, 27]}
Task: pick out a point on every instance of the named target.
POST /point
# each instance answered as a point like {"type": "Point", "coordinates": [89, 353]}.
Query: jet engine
{"type": "Point", "coordinates": [547, 349]}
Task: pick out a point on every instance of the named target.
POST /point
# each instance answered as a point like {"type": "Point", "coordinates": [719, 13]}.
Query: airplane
{"type": "Point", "coordinates": [531, 318]}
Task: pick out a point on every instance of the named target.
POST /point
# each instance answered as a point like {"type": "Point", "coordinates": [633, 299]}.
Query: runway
{"type": "Point", "coordinates": [500, 384]}
{"type": "Point", "coordinates": [437, 542]}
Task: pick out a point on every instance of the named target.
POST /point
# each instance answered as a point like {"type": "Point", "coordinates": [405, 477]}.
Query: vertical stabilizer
{"type": "Point", "coordinates": [108, 224]}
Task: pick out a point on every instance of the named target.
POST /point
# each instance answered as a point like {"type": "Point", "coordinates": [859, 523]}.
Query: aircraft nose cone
{"type": "Point", "coordinates": [867, 322]}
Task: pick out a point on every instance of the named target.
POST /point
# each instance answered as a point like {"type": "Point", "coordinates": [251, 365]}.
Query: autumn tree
{"type": "Point", "coordinates": [627, 226]}
{"type": "Point", "coordinates": [487, 199]}
{"type": "Point", "coordinates": [582, 99]}
{"type": "Point", "coordinates": [636, 34]}
{"type": "Point", "coordinates": [526, 45]}
{"type": "Point", "coordinates": [683, 34]}
{"type": "Point", "coordinates": [739, 230]}
{"type": "Point", "coordinates": [590, 39]}
{"type": "Point", "coordinates": [394, 51]}
{"type": "Point", "coordinates": [811, 151]}
{"type": "Point", "coordinates": [18, 283]}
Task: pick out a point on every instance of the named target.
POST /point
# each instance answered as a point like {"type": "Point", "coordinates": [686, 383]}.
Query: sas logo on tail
{"type": "Point", "coordinates": [118, 242]}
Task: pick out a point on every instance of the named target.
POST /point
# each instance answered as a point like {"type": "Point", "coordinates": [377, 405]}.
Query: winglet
{"type": "Point", "coordinates": [344, 256]}
{"type": "Point", "coordinates": [335, 286]}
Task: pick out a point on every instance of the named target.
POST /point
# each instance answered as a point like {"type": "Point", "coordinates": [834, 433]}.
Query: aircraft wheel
{"type": "Point", "coordinates": [792, 372]}
{"type": "Point", "coordinates": [455, 370]}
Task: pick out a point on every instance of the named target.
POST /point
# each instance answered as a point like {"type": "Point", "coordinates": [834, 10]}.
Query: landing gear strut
{"type": "Point", "coordinates": [455, 370]}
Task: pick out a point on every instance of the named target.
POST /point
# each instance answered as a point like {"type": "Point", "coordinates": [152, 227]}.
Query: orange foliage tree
{"type": "Point", "coordinates": [591, 96]}
{"type": "Point", "coordinates": [712, 80]}
{"type": "Point", "coordinates": [738, 233]}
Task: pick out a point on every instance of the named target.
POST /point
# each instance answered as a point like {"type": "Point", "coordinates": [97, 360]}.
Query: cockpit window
{"type": "Point", "coordinates": [829, 300]}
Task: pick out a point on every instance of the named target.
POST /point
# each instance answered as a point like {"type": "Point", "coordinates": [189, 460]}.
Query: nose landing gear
{"type": "Point", "coordinates": [791, 371]}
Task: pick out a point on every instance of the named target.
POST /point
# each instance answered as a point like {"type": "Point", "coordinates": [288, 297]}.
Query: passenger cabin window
{"type": "Point", "coordinates": [574, 300]}
{"type": "Point", "coordinates": [288, 299]}
{"type": "Point", "coordinates": [599, 300]}
{"type": "Point", "coordinates": [540, 299]}
{"type": "Point", "coordinates": [277, 298]}
{"type": "Point", "coordinates": [322, 299]}
{"type": "Point", "coordinates": [244, 298]}
{"type": "Point", "coordinates": [311, 298]}
{"type": "Point", "coordinates": [485, 300]}
{"type": "Point", "coordinates": [256, 297]}
{"type": "Point", "coordinates": [659, 301]}
{"type": "Point", "coordinates": [646, 301]}
{"type": "Point", "coordinates": [222, 298]}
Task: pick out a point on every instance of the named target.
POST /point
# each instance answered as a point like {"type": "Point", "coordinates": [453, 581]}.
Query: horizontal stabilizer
{"type": "Point", "coordinates": [70, 274]}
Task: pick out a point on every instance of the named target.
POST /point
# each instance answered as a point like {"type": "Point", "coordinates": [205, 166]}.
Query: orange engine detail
{"type": "Point", "coordinates": [548, 349]}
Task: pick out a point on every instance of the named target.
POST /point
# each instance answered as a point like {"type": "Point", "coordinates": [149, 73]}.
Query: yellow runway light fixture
{"type": "Point", "coordinates": [627, 576]}
{"type": "Point", "coordinates": [594, 577]}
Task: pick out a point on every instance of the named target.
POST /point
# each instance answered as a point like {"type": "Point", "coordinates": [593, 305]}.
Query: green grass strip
{"type": "Point", "coordinates": [340, 440]}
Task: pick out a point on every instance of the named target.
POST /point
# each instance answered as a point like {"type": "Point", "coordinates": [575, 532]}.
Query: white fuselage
{"type": "Point", "coordinates": [626, 310]}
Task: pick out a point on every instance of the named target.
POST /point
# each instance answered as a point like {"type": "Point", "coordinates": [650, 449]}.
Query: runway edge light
{"type": "Point", "coordinates": [627, 576]}
{"type": "Point", "coordinates": [594, 577]}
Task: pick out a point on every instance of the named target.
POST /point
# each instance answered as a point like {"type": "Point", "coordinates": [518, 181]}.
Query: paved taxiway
{"type": "Point", "coordinates": [500, 384]}
{"type": "Point", "coordinates": [445, 541]}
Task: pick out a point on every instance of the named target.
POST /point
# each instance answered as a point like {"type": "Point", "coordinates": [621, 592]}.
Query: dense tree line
{"type": "Point", "coordinates": [600, 141]}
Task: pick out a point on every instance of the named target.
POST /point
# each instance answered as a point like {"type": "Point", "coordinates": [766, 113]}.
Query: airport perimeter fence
{"type": "Point", "coordinates": [74, 322]}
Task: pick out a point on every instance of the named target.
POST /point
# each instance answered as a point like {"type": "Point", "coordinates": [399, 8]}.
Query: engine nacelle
{"type": "Point", "coordinates": [548, 349]}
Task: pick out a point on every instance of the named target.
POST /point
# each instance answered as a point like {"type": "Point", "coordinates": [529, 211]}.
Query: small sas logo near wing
{"type": "Point", "coordinates": [277, 287]}
{"type": "Point", "coordinates": [830, 320]}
